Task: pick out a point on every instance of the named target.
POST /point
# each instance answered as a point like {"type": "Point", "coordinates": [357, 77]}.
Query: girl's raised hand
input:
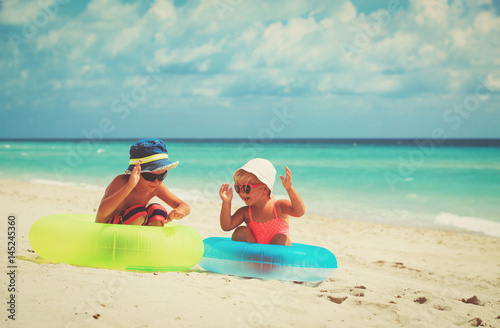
{"type": "Point", "coordinates": [226, 193]}
{"type": "Point", "coordinates": [287, 180]}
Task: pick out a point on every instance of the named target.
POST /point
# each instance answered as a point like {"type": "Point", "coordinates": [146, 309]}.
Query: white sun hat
{"type": "Point", "coordinates": [262, 169]}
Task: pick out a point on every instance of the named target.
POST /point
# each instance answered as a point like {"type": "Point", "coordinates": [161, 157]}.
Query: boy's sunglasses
{"type": "Point", "coordinates": [246, 188]}
{"type": "Point", "coordinates": [152, 177]}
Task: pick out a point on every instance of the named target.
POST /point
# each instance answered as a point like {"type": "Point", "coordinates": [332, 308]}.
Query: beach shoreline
{"type": "Point", "coordinates": [449, 189]}
{"type": "Point", "coordinates": [388, 276]}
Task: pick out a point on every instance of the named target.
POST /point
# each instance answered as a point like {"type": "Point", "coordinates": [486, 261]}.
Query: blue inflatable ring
{"type": "Point", "coordinates": [299, 262]}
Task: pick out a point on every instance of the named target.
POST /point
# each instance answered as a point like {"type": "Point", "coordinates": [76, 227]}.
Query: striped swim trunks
{"type": "Point", "coordinates": [151, 213]}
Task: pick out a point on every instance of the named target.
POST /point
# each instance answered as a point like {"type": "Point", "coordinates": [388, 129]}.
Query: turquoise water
{"type": "Point", "coordinates": [439, 187]}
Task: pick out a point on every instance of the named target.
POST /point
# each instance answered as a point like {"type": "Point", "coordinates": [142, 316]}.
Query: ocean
{"type": "Point", "coordinates": [454, 184]}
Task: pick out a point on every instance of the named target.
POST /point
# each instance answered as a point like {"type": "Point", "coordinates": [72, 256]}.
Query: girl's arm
{"type": "Point", "coordinates": [116, 192]}
{"type": "Point", "coordinates": [295, 207]}
{"type": "Point", "coordinates": [227, 221]}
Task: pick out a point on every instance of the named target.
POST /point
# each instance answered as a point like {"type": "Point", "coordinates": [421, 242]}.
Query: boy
{"type": "Point", "coordinates": [126, 198]}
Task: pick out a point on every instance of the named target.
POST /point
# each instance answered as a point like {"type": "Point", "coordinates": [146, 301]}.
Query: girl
{"type": "Point", "coordinates": [266, 218]}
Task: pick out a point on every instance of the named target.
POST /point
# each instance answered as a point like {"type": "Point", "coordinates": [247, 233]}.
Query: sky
{"type": "Point", "coordinates": [103, 69]}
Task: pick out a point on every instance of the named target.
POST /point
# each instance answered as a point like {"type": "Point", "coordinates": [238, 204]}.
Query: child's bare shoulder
{"type": "Point", "coordinates": [243, 211]}
{"type": "Point", "coordinates": [118, 182]}
{"type": "Point", "coordinates": [281, 202]}
{"type": "Point", "coordinates": [122, 178]}
{"type": "Point", "coordinates": [280, 205]}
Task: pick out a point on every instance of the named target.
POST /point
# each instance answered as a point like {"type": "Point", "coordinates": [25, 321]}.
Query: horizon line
{"type": "Point", "coordinates": [396, 141]}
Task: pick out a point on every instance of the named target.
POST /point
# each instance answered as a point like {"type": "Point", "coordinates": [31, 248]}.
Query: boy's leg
{"type": "Point", "coordinates": [243, 233]}
{"type": "Point", "coordinates": [134, 215]}
{"type": "Point", "coordinates": [157, 215]}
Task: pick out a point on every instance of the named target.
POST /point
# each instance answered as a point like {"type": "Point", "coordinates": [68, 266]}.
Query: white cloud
{"type": "Point", "coordinates": [250, 35]}
{"type": "Point", "coordinates": [165, 11]}
{"type": "Point", "coordinates": [203, 66]}
{"type": "Point", "coordinates": [205, 92]}
{"type": "Point", "coordinates": [394, 51]}
{"type": "Point", "coordinates": [166, 56]}
{"type": "Point", "coordinates": [352, 83]}
{"type": "Point", "coordinates": [79, 43]}
{"type": "Point", "coordinates": [486, 22]}
{"type": "Point", "coordinates": [266, 51]}
{"type": "Point", "coordinates": [50, 39]}
{"type": "Point", "coordinates": [461, 37]}
{"type": "Point", "coordinates": [457, 78]}
{"type": "Point", "coordinates": [431, 12]}
{"type": "Point", "coordinates": [124, 40]}
{"type": "Point", "coordinates": [55, 84]}
{"type": "Point", "coordinates": [133, 81]}
{"type": "Point", "coordinates": [106, 11]}
{"type": "Point", "coordinates": [110, 28]}
{"type": "Point", "coordinates": [85, 104]}
{"type": "Point", "coordinates": [325, 83]}
{"type": "Point", "coordinates": [20, 12]}
{"type": "Point", "coordinates": [293, 32]}
{"type": "Point", "coordinates": [79, 83]}
{"type": "Point", "coordinates": [347, 12]}
{"type": "Point", "coordinates": [290, 44]}
{"type": "Point", "coordinates": [430, 55]}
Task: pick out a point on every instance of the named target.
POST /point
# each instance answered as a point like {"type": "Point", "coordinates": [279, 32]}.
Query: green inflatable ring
{"type": "Point", "coordinates": [77, 240]}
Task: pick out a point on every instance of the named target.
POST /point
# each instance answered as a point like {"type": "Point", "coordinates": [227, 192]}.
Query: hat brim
{"type": "Point", "coordinates": [262, 178]}
{"type": "Point", "coordinates": [155, 166]}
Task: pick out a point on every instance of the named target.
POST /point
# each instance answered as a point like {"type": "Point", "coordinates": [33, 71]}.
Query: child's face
{"type": "Point", "coordinates": [258, 190]}
{"type": "Point", "coordinates": [156, 182]}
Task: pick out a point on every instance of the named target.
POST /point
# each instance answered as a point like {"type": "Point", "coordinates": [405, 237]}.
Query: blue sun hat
{"type": "Point", "coordinates": [153, 154]}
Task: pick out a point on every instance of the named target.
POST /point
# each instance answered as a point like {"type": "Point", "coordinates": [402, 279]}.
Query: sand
{"type": "Point", "coordinates": [388, 276]}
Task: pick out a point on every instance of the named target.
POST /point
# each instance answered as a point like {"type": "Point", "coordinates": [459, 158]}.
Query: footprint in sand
{"type": "Point", "coordinates": [337, 300]}
{"type": "Point", "coordinates": [441, 307]}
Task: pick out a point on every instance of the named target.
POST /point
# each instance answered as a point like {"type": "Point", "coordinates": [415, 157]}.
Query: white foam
{"type": "Point", "coordinates": [66, 184]}
{"type": "Point", "coordinates": [487, 227]}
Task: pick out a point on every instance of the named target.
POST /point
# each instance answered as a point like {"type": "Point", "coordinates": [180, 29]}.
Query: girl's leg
{"type": "Point", "coordinates": [244, 233]}
{"type": "Point", "coordinates": [281, 239]}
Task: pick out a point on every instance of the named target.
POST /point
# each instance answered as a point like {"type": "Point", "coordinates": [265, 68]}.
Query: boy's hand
{"type": "Point", "coordinates": [287, 181]}
{"type": "Point", "coordinates": [226, 193]}
{"type": "Point", "coordinates": [175, 214]}
{"type": "Point", "coordinates": [135, 175]}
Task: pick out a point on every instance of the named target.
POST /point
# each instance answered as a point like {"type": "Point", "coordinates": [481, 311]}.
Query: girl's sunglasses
{"type": "Point", "coordinates": [246, 188]}
{"type": "Point", "coordinates": [152, 177]}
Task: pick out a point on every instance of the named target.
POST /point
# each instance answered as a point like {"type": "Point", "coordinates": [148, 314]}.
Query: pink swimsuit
{"type": "Point", "coordinates": [265, 231]}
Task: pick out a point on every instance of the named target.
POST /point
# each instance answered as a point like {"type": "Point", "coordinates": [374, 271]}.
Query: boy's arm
{"type": "Point", "coordinates": [296, 206]}
{"type": "Point", "coordinates": [179, 208]}
{"type": "Point", "coordinates": [227, 221]}
{"type": "Point", "coordinates": [116, 192]}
